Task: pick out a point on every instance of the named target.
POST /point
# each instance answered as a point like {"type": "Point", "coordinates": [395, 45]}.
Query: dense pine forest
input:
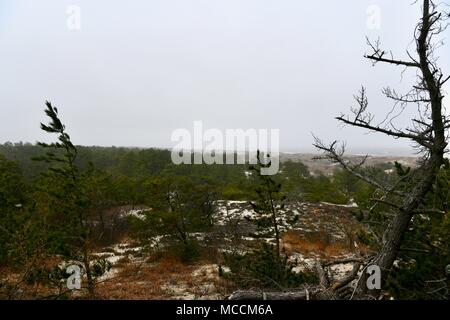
{"type": "Point", "coordinates": [84, 222]}
{"type": "Point", "coordinates": [115, 211]}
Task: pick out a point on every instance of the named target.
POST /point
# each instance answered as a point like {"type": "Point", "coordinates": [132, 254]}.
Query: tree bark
{"type": "Point", "coordinates": [317, 293]}
{"type": "Point", "coordinates": [427, 173]}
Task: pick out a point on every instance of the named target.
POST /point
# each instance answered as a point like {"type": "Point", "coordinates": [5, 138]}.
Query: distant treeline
{"type": "Point", "coordinates": [131, 162]}
{"type": "Point", "coordinates": [52, 207]}
{"type": "Point", "coordinates": [134, 166]}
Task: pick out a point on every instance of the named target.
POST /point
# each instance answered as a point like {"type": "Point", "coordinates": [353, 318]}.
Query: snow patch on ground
{"type": "Point", "coordinates": [303, 263]}
{"type": "Point", "coordinates": [137, 213]}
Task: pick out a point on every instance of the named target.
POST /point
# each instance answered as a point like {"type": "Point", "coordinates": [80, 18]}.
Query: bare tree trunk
{"type": "Point", "coordinates": [277, 231]}
{"type": "Point", "coordinates": [87, 267]}
{"type": "Point", "coordinates": [428, 172]}
{"type": "Point", "coordinates": [393, 237]}
{"type": "Point", "coordinates": [306, 294]}
{"type": "Point", "coordinates": [428, 133]}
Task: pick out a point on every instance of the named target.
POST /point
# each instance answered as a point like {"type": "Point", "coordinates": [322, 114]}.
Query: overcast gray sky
{"type": "Point", "coordinates": [137, 70]}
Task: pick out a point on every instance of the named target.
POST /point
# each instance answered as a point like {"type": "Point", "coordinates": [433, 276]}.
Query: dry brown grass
{"type": "Point", "coordinates": [148, 281]}
{"type": "Point", "coordinates": [293, 241]}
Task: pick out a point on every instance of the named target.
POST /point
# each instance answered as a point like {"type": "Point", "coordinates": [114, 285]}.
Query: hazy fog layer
{"type": "Point", "coordinates": [137, 70]}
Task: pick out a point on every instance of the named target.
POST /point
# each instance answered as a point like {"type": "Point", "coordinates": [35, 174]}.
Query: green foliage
{"type": "Point", "coordinates": [64, 197]}
{"type": "Point", "coordinates": [400, 170]}
{"type": "Point", "coordinates": [365, 237]}
{"type": "Point", "coordinates": [179, 208]}
{"type": "Point", "coordinates": [421, 269]}
{"type": "Point", "coordinates": [265, 269]}
{"type": "Point", "coordinates": [186, 252]}
{"type": "Point", "coordinates": [12, 186]}
{"type": "Point", "coordinates": [294, 170]}
{"type": "Point", "coordinates": [269, 201]}
{"type": "Point", "coordinates": [130, 168]}
{"type": "Point", "coordinates": [232, 192]}
{"type": "Point", "coordinates": [47, 276]}
{"type": "Point", "coordinates": [360, 191]}
{"type": "Point", "coordinates": [13, 212]}
{"type": "Point", "coordinates": [100, 267]}
{"type": "Point", "coordinates": [56, 206]}
{"type": "Point", "coordinates": [322, 188]}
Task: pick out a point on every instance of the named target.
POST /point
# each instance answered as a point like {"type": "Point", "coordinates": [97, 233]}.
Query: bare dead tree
{"type": "Point", "coordinates": [428, 132]}
{"type": "Point", "coordinates": [326, 289]}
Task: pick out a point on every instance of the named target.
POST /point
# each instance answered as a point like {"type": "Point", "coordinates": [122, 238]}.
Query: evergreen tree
{"type": "Point", "coordinates": [67, 203]}
{"type": "Point", "coordinates": [12, 201]}
{"type": "Point", "coordinates": [269, 202]}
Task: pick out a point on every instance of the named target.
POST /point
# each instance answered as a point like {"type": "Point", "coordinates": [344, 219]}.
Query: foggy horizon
{"type": "Point", "coordinates": [131, 74]}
